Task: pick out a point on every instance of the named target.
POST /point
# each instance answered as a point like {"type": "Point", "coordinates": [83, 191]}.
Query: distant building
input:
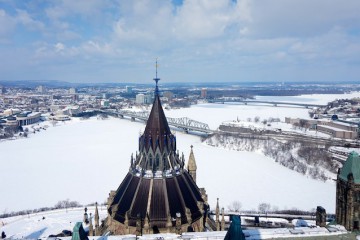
{"type": "Point", "coordinates": [104, 103]}
{"type": "Point", "coordinates": [339, 130]}
{"type": "Point", "coordinates": [129, 89]}
{"type": "Point", "coordinates": [169, 95]}
{"type": "Point", "coordinates": [75, 97]}
{"type": "Point", "coordinates": [203, 93]}
{"type": "Point", "coordinates": [2, 90]}
{"type": "Point", "coordinates": [143, 98]}
{"type": "Point", "coordinates": [27, 118]}
{"type": "Point", "coordinates": [105, 96]}
{"type": "Point", "coordinates": [72, 91]}
{"type": "Point", "coordinates": [41, 89]}
{"type": "Point", "coordinates": [68, 111]}
{"type": "Point", "coordinates": [11, 111]}
{"type": "Point", "coordinates": [348, 193]}
{"type": "Point", "coordinates": [333, 128]}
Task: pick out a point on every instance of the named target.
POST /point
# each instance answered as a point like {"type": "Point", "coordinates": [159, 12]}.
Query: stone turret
{"type": "Point", "coordinates": [192, 165]}
{"type": "Point", "coordinates": [217, 212]}
{"type": "Point", "coordinates": [97, 230]}
{"type": "Point", "coordinates": [91, 229]}
{"type": "Point", "coordinates": [86, 218]}
{"type": "Point", "coordinates": [222, 219]}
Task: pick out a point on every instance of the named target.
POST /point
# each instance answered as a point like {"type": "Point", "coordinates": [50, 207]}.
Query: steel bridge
{"type": "Point", "coordinates": [274, 103]}
{"type": "Point", "coordinates": [183, 123]}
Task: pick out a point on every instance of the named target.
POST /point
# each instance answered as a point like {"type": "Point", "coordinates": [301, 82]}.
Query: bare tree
{"type": "Point", "coordinates": [264, 207]}
{"type": "Point", "coordinates": [67, 204]}
{"type": "Point", "coordinates": [235, 206]}
{"type": "Point", "coordinates": [256, 119]}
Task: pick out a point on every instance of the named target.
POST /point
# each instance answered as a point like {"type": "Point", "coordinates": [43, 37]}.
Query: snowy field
{"type": "Point", "coordinates": [311, 98]}
{"type": "Point", "coordinates": [41, 225]}
{"type": "Point", "coordinates": [84, 160]}
{"type": "Point", "coordinates": [34, 226]}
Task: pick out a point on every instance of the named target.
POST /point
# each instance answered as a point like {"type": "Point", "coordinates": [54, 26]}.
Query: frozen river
{"type": "Point", "coordinates": [84, 160]}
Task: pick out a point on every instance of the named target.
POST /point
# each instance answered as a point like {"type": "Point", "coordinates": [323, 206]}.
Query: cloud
{"type": "Point", "coordinates": [210, 38]}
{"type": "Point", "coordinates": [302, 18]}
{"type": "Point", "coordinates": [25, 19]}
{"type": "Point", "coordinates": [65, 8]}
{"type": "Point", "coordinates": [7, 24]}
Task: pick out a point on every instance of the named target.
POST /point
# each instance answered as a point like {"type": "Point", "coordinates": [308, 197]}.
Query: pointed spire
{"type": "Point", "coordinates": [192, 164]}
{"type": "Point", "coordinates": [96, 219]}
{"type": "Point", "coordinates": [217, 212]}
{"type": "Point", "coordinates": [157, 128]}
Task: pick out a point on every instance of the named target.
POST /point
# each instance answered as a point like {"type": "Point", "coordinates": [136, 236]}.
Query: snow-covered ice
{"type": "Point", "coordinates": [84, 160]}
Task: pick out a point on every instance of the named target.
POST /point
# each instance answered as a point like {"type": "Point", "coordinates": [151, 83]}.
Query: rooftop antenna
{"type": "Point", "coordinates": [156, 79]}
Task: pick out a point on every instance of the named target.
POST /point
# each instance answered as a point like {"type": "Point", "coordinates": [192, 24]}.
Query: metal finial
{"type": "Point", "coordinates": [156, 79]}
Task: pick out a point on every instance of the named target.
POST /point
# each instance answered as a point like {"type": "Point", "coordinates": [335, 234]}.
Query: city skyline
{"type": "Point", "coordinates": [195, 41]}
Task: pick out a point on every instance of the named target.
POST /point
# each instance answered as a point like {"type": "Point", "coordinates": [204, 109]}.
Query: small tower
{"type": "Point", "coordinates": [192, 165]}
{"type": "Point", "coordinates": [217, 212]}
{"type": "Point", "coordinates": [222, 219]}
{"type": "Point", "coordinates": [97, 232]}
{"type": "Point", "coordinates": [91, 229]}
{"type": "Point", "coordinates": [86, 218]}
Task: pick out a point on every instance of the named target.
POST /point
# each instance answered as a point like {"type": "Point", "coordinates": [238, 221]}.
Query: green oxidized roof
{"type": "Point", "coordinates": [352, 165]}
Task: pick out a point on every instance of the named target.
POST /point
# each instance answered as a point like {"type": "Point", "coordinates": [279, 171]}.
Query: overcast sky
{"type": "Point", "coordinates": [194, 40]}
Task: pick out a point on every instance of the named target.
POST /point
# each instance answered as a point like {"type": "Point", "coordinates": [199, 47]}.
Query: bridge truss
{"type": "Point", "coordinates": [184, 123]}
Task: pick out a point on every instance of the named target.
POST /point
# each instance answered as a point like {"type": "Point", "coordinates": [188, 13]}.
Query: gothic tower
{"type": "Point", "coordinates": [158, 194]}
{"type": "Point", "coordinates": [348, 193]}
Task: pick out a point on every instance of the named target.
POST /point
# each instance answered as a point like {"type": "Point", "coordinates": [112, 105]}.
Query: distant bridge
{"type": "Point", "coordinates": [274, 103]}
{"type": "Point", "coordinates": [184, 123]}
{"type": "Point", "coordinates": [288, 217]}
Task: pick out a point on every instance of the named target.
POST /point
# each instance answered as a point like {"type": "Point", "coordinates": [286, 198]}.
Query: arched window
{"type": "Point", "coordinates": [150, 163]}
{"type": "Point", "coordinates": [157, 163]}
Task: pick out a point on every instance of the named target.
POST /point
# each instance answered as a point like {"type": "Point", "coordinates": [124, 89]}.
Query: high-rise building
{"type": "Point", "coordinates": [158, 194]}
{"type": "Point", "coordinates": [203, 93]}
{"type": "Point", "coordinates": [143, 98]}
{"type": "Point", "coordinates": [72, 90]}
{"type": "Point", "coordinates": [41, 89]}
{"type": "Point", "coordinates": [348, 193]}
{"type": "Point", "coordinates": [129, 89]}
{"type": "Point", "coordinates": [2, 90]}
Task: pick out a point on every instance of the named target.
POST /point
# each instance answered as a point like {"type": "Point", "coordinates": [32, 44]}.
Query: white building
{"type": "Point", "coordinates": [72, 90]}
{"type": "Point", "coordinates": [27, 118]}
{"type": "Point", "coordinates": [144, 98]}
{"type": "Point", "coordinates": [41, 89]}
{"type": "Point", "coordinates": [11, 111]}
{"type": "Point", "coordinates": [104, 103]}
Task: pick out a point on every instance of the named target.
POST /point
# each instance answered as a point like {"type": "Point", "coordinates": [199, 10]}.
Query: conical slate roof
{"type": "Point", "coordinates": [157, 186]}
{"type": "Point", "coordinates": [352, 165]}
{"type": "Point", "coordinates": [157, 130]}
